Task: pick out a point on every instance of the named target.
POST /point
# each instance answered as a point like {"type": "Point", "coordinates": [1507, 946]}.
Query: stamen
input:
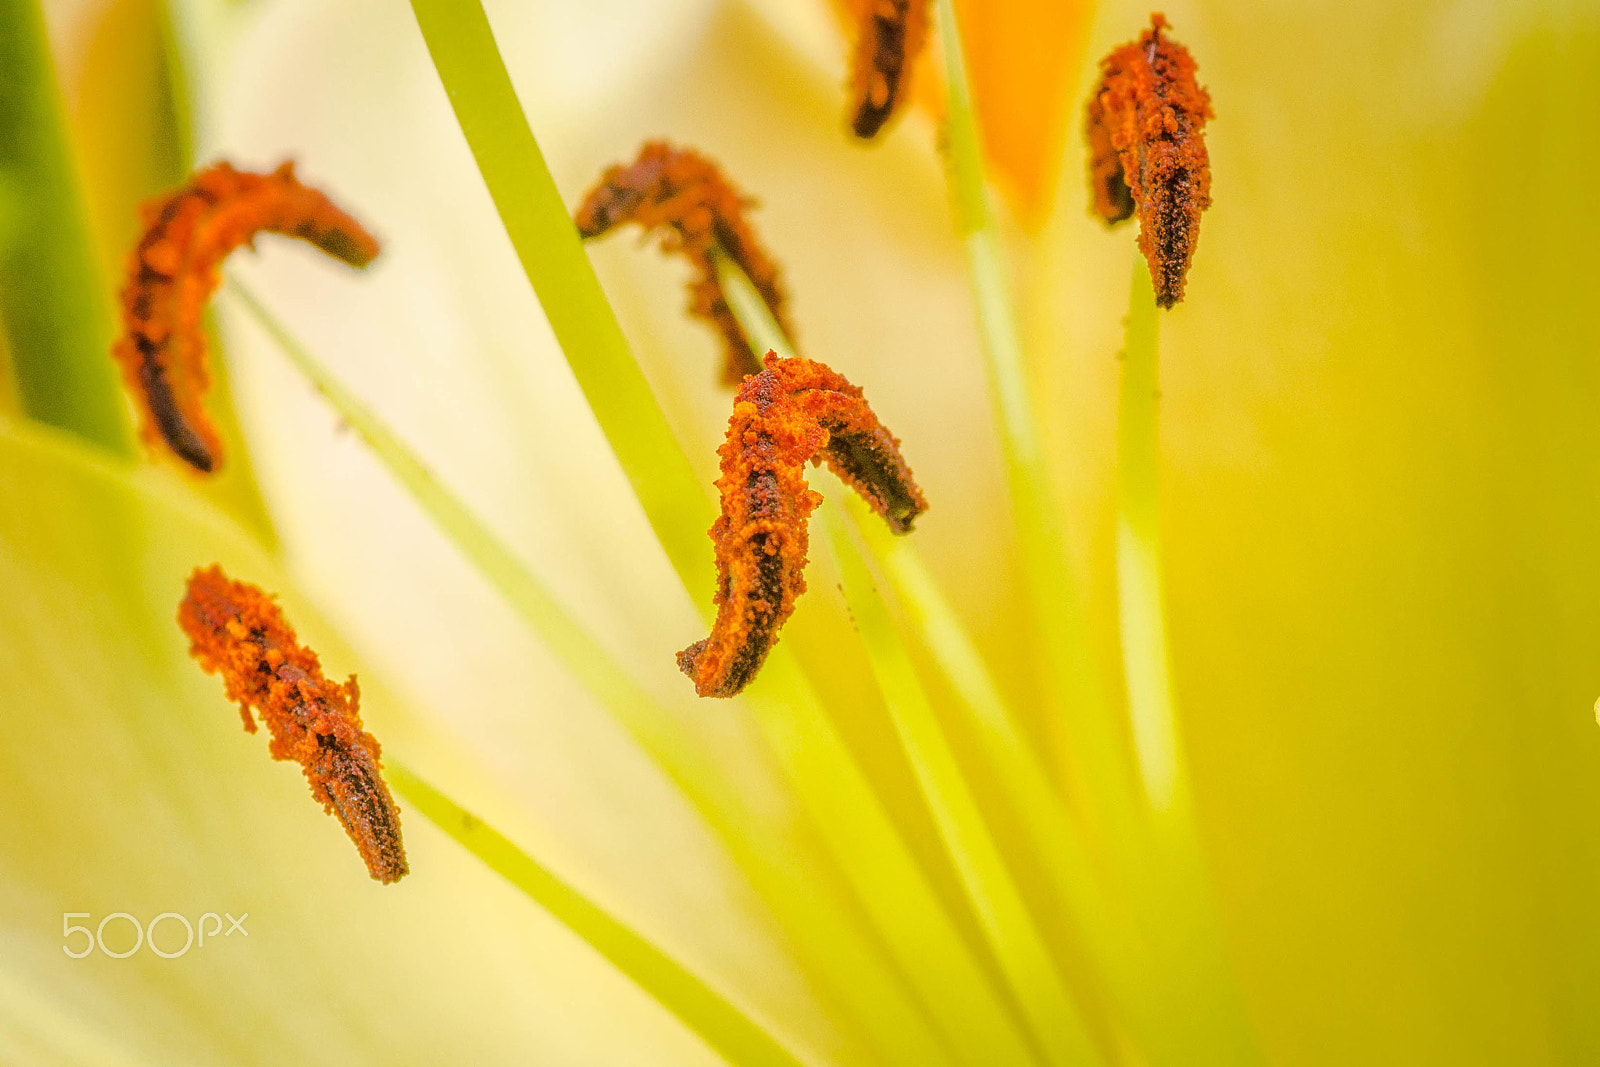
{"type": "Point", "coordinates": [685, 199]}
{"type": "Point", "coordinates": [174, 270]}
{"type": "Point", "coordinates": [1147, 151]}
{"type": "Point", "coordinates": [892, 35]}
{"type": "Point", "coordinates": [239, 632]}
{"type": "Point", "coordinates": [794, 411]}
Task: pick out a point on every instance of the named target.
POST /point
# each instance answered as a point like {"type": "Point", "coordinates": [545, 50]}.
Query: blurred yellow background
{"type": "Point", "coordinates": [1380, 456]}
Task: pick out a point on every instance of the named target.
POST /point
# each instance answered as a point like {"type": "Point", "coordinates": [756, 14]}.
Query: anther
{"type": "Point", "coordinates": [891, 36]}
{"type": "Point", "coordinates": [684, 198]}
{"type": "Point", "coordinates": [1147, 151]}
{"type": "Point", "coordinates": [173, 271]}
{"type": "Point", "coordinates": [796, 410]}
{"type": "Point", "coordinates": [239, 632]}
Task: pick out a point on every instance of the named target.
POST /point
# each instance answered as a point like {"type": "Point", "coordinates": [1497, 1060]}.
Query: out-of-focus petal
{"type": "Point", "coordinates": [1382, 484]}
{"type": "Point", "coordinates": [1025, 60]}
{"type": "Point", "coordinates": [130, 788]}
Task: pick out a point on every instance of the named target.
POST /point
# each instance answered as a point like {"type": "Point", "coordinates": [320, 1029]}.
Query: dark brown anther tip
{"type": "Point", "coordinates": [891, 36]}
{"type": "Point", "coordinates": [239, 632]}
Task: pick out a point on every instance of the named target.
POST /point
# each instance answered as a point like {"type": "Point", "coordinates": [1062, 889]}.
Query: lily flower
{"type": "Point", "coordinates": [1313, 735]}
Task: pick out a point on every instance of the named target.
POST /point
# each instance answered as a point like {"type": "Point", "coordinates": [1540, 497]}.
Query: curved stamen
{"type": "Point", "coordinates": [174, 270]}
{"type": "Point", "coordinates": [686, 200]}
{"type": "Point", "coordinates": [796, 410]}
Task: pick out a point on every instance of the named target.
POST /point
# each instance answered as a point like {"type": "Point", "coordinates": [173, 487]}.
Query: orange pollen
{"type": "Point", "coordinates": [686, 200]}
{"type": "Point", "coordinates": [893, 33]}
{"type": "Point", "coordinates": [794, 411]}
{"type": "Point", "coordinates": [1147, 151]}
{"type": "Point", "coordinates": [173, 271]}
{"type": "Point", "coordinates": [239, 632]}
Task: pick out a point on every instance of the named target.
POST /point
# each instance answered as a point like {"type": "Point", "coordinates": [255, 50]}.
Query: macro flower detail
{"type": "Point", "coordinates": [891, 37]}
{"type": "Point", "coordinates": [796, 410]}
{"type": "Point", "coordinates": [685, 198]}
{"type": "Point", "coordinates": [1147, 153]}
{"type": "Point", "coordinates": [173, 271]}
{"type": "Point", "coordinates": [1099, 767]}
{"type": "Point", "coordinates": [239, 632]}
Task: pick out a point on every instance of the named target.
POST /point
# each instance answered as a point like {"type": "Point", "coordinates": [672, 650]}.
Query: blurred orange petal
{"type": "Point", "coordinates": [1023, 57]}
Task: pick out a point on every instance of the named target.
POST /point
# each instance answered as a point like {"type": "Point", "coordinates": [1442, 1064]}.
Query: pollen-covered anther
{"type": "Point", "coordinates": [684, 198]}
{"type": "Point", "coordinates": [890, 37]}
{"type": "Point", "coordinates": [239, 632]}
{"type": "Point", "coordinates": [794, 411]}
{"type": "Point", "coordinates": [1147, 151]}
{"type": "Point", "coordinates": [173, 271]}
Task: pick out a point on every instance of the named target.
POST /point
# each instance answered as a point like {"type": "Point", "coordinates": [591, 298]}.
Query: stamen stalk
{"type": "Point", "coordinates": [925, 945]}
{"type": "Point", "coordinates": [546, 241]}
{"type": "Point", "coordinates": [1001, 910]}
{"type": "Point", "coordinates": [1139, 598]}
{"type": "Point", "coordinates": [1052, 1015]}
{"type": "Point", "coordinates": [755, 318]}
{"type": "Point", "coordinates": [1180, 901]}
{"type": "Point", "coordinates": [870, 849]}
{"type": "Point", "coordinates": [1110, 941]}
{"type": "Point", "coordinates": [1092, 747]}
{"type": "Point", "coordinates": [732, 1033]}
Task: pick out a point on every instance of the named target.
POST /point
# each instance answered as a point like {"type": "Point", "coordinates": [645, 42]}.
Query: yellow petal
{"type": "Point", "coordinates": [130, 790]}
{"type": "Point", "coordinates": [1378, 445]}
{"type": "Point", "coordinates": [1381, 491]}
